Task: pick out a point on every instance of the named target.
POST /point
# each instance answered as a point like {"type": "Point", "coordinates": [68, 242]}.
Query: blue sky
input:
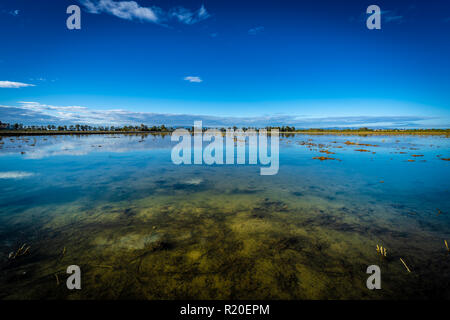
{"type": "Point", "coordinates": [306, 63]}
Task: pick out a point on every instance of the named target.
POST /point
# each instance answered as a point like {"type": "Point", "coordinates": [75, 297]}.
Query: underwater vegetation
{"type": "Point", "coordinates": [324, 158]}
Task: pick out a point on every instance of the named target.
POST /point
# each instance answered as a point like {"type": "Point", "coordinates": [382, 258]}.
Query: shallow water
{"type": "Point", "coordinates": [141, 227]}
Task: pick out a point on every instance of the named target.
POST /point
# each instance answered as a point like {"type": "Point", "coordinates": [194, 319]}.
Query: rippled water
{"type": "Point", "coordinates": [141, 227]}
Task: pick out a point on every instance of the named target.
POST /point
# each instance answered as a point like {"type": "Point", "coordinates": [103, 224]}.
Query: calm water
{"type": "Point", "coordinates": [141, 227]}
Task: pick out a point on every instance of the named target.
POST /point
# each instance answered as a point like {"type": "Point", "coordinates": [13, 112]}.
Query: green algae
{"type": "Point", "coordinates": [234, 248]}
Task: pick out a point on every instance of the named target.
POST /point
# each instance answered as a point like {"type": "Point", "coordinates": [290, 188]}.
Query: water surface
{"type": "Point", "coordinates": [141, 227]}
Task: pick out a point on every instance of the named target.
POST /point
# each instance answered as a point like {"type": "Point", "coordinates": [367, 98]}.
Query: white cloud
{"type": "Point", "coordinates": [39, 106]}
{"type": "Point", "coordinates": [193, 79]}
{"type": "Point", "coordinates": [33, 113]}
{"type": "Point", "coordinates": [38, 79]}
{"type": "Point", "coordinates": [393, 18]}
{"type": "Point", "coordinates": [188, 17]}
{"type": "Point", "coordinates": [255, 30]}
{"type": "Point", "coordinates": [15, 175]}
{"type": "Point", "coordinates": [131, 10]}
{"type": "Point", "coordinates": [14, 13]}
{"type": "Point", "coordinates": [11, 84]}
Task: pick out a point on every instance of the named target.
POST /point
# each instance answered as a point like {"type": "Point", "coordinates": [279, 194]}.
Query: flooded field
{"type": "Point", "coordinates": [141, 227]}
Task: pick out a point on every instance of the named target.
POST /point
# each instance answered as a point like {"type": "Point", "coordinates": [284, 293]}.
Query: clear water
{"type": "Point", "coordinates": [141, 227]}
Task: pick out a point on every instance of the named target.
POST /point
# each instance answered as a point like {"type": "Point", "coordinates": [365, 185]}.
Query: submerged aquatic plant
{"type": "Point", "coordinates": [382, 251]}
{"type": "Point", "coordinates": [405, 265]}
{"type": "Point", "coordinates": [324, 158]}
{"type": "Point", "coordinates": [20, 252]}
{"type": "Point", "coordinates": [327, 152]}
{"type": "Point", "coordinates": [63, 253]}
{"type": "Point", "coordinates": [446, 244]}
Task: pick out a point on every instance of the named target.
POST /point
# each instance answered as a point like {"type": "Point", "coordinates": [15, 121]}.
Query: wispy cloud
{"type": "Point", "coordinates": [390, 16]}
{"type": "Point", "coordinates": [387, 16]}
{"type": "Point", "coordinates": [131, 10]}
{"type": "Point", "coordinates": [34, 113]}
{"type": "Point", "coordinates": [256, 30]}
{"type": "Point", "coordinates": [188, 17]}
{"type": "Point", "coordinates": [38, 79]}
{"type": "Point", "coordinates": [193, 79]}
{"type": "Point", "coordinates": [14, 13]}
{"type": "Point", "coordinates": [15, 175]}
{"type": "Point", "coordinates": [12, 84]}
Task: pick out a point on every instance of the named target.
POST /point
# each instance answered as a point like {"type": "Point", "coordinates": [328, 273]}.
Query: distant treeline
{"type": "Point", "coordinates": [350, 130]}
{"type": "Point", "coordinates": [18, 127]}
{"type": "Point", "coordinates": [83, 128]}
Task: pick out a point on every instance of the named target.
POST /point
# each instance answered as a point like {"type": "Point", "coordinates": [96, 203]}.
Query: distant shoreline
{"type": "Point", "coordinates": [374, 133]}
{"type": "Point", "coordinates": [12, 133]}
{"type": "Point", "coordinates": [59, 133]}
